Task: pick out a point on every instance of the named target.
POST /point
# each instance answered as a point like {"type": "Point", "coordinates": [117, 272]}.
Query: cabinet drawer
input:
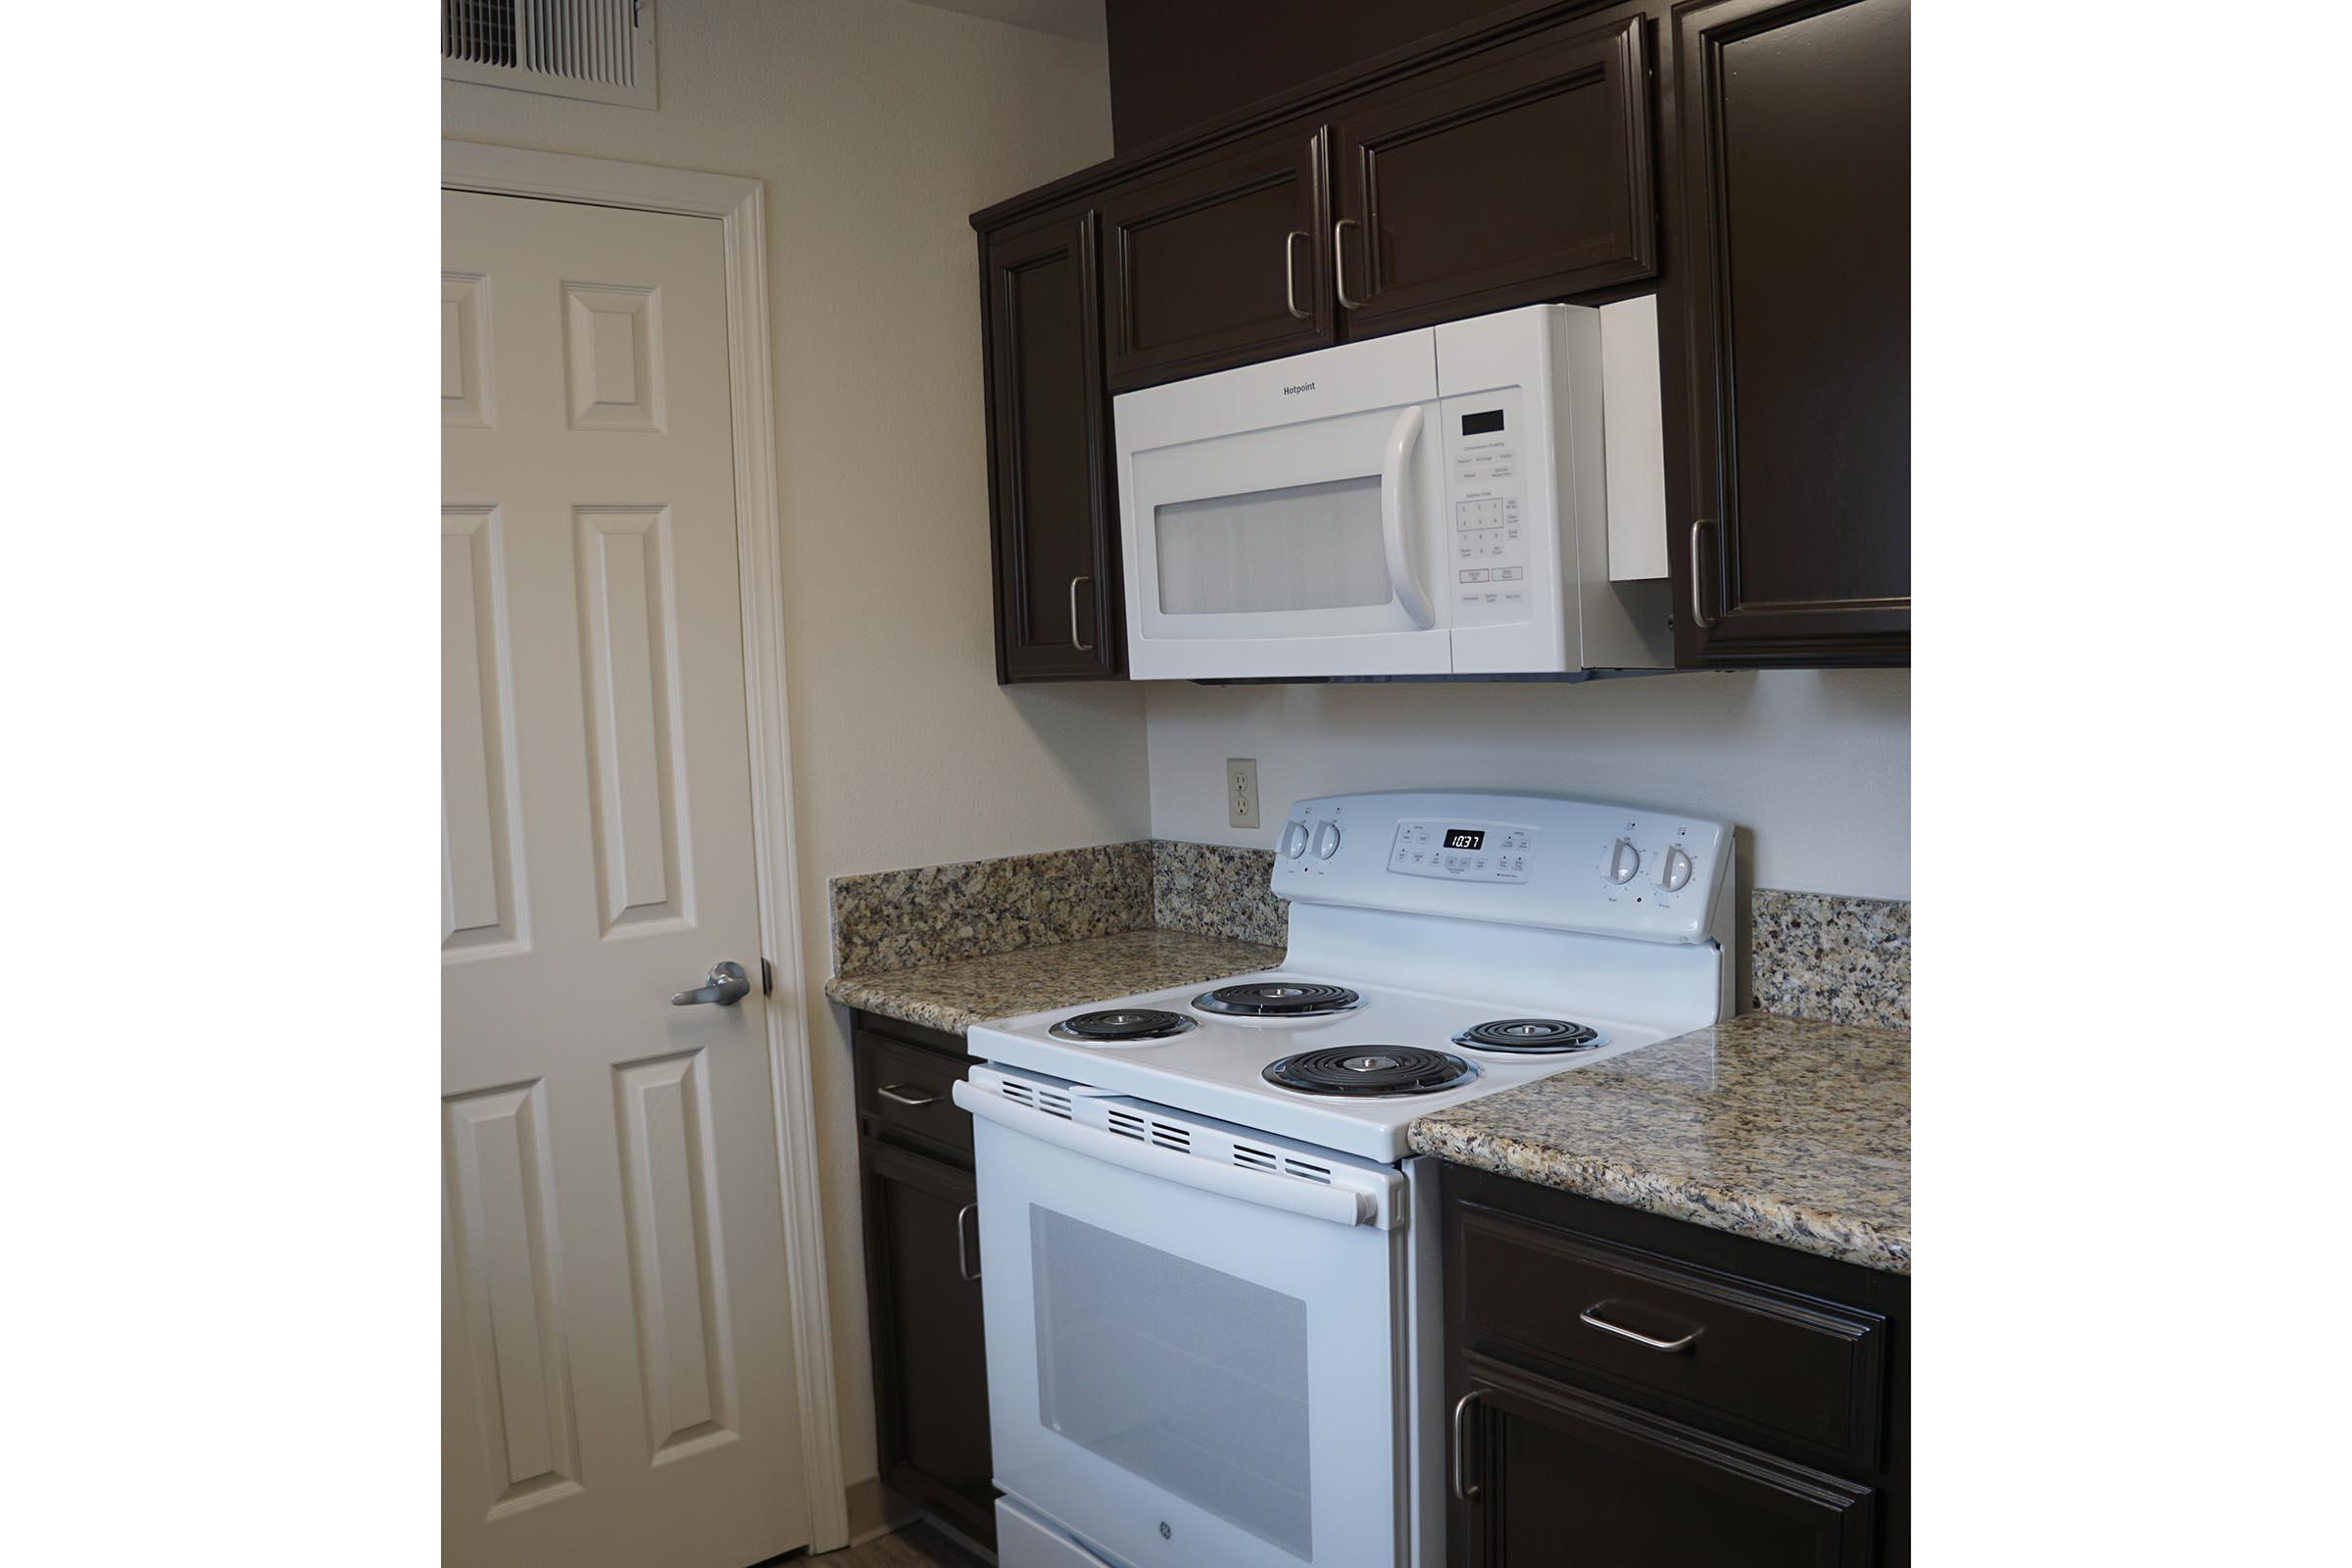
{"type": "Point", "coordinates": [1696, 1341]}
{"type": "Point", "coordinates": [904, 1092]}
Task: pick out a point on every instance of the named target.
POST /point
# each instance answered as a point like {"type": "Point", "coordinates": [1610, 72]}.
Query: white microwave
{"type": "Point", "coordinates": [1482, 497]}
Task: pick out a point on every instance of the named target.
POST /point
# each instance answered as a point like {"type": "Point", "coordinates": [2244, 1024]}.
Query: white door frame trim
{"type": "Point", "coordinates": [739, 206]}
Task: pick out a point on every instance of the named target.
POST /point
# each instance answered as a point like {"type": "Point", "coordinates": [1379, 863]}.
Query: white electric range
{"type": "Point", "coordinates": [1212, 1322]}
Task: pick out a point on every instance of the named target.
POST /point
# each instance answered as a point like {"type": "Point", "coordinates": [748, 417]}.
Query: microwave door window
{"type": "Point", "coordinates": [1300, 547]}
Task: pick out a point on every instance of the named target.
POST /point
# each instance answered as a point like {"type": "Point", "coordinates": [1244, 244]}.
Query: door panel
{"type": "Point", "coordinates": [618, 1380]}
{"type": "Point", "coordinates": [1057, 594]}
{"type": "Point", "coordinates": [1795, 322]}
{"type": "Point", "coordinates": [930, 1354]}
{"type": "Point", "coordinates": [1222, 262]}
{"type": "Point", "coordinates": [1566, 1477]}
{"type": "Point", "coordinates": [1514, 177]}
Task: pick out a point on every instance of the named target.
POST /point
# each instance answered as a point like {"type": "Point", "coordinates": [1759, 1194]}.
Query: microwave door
{"type": "Point", "coordinates": [1303, 549]}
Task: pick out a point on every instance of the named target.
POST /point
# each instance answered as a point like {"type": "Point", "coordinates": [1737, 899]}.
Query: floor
{"type": "Point", "coordinates": [918, 1546]}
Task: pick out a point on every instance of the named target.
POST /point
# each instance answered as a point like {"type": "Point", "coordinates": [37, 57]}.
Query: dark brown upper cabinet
{"type": "Point", "coordinates": [1221, 262]}
{"type": "Point", "coordinates": [1053, 516]}
{"type": "Point", "coordinates": [1787, 333]}
{"type": "Point", "coordinates": [1513, 176]}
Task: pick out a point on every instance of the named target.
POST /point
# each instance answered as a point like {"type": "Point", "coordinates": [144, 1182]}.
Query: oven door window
{"type": "Point", "coordinates": [1192, 1380]}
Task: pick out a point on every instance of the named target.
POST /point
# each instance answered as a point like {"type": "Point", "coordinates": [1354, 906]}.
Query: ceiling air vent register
{"type": "Point", "coordinates": [598, 50]}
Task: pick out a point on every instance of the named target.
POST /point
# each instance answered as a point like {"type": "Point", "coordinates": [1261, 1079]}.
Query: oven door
{"type": "Point", "coordinates": [1184, 1374]}
{"type": "Point", "coordinates": [1272, 535]}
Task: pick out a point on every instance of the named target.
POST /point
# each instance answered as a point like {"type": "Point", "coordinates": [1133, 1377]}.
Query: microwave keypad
{"type": "Point", "coordinates": [1483, 481]}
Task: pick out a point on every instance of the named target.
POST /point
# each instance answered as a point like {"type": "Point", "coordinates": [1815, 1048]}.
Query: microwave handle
{"type": "Point", "coordinates": [1335, 1204]}
{"type": "Point", "coordinates": [1402, 577]}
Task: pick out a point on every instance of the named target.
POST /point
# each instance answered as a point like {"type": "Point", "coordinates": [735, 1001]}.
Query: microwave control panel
{"type": "Point", "coordinates": [1486, 553]}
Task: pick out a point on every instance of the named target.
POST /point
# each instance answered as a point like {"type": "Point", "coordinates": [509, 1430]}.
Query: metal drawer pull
{"type": "Point", "coordinates": [1082, 647]}
{"type": "Point", "coordinates": [1587, 1319]}
{"type": "Point", "coordinates": [1699, 609]}
{"type": "Point", "coordinates": [1463, 1488]}
{"type": "Point", "coordinates": [1339, 260]}
{"type": "Point", "coordinates": [1290, 273]}
{"type": "Point", "coordinates": [963, 1251]}
{"type": "Point", "coordinates": [897, 1095]}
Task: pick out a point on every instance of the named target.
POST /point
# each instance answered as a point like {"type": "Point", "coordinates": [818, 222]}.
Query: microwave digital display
{"type": "Point", "coordinates": [1466, 838]}
{"type": "Point", "coordinates": [1486, 424]}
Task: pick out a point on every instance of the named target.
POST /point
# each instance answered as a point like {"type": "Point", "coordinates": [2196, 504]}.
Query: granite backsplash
{"type": "Point", "coordinates": [1816, 956]}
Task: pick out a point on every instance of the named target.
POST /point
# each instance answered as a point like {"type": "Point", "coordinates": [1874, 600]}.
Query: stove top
{"type": "Point", "coordinates": [1225, 1065]}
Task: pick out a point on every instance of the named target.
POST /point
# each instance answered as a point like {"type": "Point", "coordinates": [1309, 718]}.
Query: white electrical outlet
{"type": "Point", "coordinates": [1241, 791]}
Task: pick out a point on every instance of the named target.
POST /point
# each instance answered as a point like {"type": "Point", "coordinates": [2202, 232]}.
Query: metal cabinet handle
{"type": "Point", "coordinates": [1082, 647]}
{"type": "Point", "coordinates": [1463, 1488]}
{"type": "Point", "coordinates": [1698, 608]}
{"type": "Point", "coordinates": [1290, 273]}
{"type": "Point", "coordinates": [1589, 1318]}
{"type": "Point", "coordinates": [1339, 260]}
{"type": "Point", "coordinates": [963, 1252]}
{"type": "Point", "coordinates": [724, 985]}
{"type": "Point", "coordinates": [897, 1094]}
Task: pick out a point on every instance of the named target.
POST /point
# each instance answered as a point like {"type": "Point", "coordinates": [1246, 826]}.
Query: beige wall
{"type": "Point", "coordinates": [864, 119]}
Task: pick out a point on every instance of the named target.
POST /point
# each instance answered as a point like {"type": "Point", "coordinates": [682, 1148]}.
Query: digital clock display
{"type": "Point", "coordinates": [1465, 838]}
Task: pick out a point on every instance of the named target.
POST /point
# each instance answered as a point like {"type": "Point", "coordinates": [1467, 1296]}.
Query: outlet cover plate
{"type": "Point", "coordinates": [1241, 791]}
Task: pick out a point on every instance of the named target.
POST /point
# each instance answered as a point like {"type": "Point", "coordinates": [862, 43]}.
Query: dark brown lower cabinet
{"type": "Point", "coordinates": [922, 1277]}
{"type": "Point", "coordinates": [1632, 1391]}
{"type": "Point", "coordinates": [1558, 1476]}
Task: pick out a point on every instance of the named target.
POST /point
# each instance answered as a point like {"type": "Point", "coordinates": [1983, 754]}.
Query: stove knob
{"type": "Point", "coordinates": [1674, 871]}
{"type": "Point", "coordinates": [1622, 862]}
{"type": "Point", "coordinates": [1293, 838]}
{"type": "Point", "coordinates": [1327, 841]}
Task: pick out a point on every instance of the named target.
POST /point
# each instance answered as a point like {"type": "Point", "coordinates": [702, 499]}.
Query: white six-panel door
{"type": "Point", "coordinates": [617, 1381]}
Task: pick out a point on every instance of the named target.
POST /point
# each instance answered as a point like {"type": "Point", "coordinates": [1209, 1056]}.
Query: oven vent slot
{"type": "Point", "coordinates": [1175, 1137]}
{"type": "Point", "coordinates": [1256, 1158]}
{"type": "Point", "coordinates": [1308, 1171]}
{"type": "Point", "coordinates": [1052, 1102]}
{"type": "Point", "coordinates": [1127, 1124]}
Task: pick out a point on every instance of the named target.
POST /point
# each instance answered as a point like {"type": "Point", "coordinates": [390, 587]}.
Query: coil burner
{"type": "Point", "coordinates": [1388, 1071]}
{"type": "Point", "coordinates": [1533, 1036]}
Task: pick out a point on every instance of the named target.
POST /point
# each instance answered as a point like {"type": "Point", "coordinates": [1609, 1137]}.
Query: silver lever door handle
{"type": "Point", "coordinates": [725, 985]}
{"type": "Point", "coordinates": [1587, 1317]}
{"type": "Point", "coordinates": [1463, 1488]}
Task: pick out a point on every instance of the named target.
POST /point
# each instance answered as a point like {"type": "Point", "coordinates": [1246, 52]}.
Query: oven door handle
{"type": "Point", "coordinates": [1294, 1193]}
{"type": "Point", "coordinates": [1403, 578]}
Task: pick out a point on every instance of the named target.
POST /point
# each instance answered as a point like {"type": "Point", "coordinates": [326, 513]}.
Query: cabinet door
{"type": "Point", "coordinates": [922, 1268]}
{"type": "Point", "coordinates": [1556, 1477]}
{"type": "Point", "coordinates": [1517, 176]}
{"type": "Point", "coordinates": [1055, 527]}
{"type": "Point", "coordinates": [1222, 262]}
{"type": "Point", "coordinates": [1794, 345]}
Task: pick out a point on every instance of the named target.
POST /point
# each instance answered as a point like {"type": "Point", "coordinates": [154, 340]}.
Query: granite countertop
{"type": "Point", "coordinates": [1787, 1131]}
{"type": "Point", "coordinates": [956, 994]}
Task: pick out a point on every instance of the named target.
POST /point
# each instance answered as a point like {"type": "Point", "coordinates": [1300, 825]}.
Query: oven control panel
{"type": "Point", "coordinates": [1525, 860]}
{"type": "Point", "coordinates": [1487, 554]}
{"type": "Point", "coordinates": [1464, 851]}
